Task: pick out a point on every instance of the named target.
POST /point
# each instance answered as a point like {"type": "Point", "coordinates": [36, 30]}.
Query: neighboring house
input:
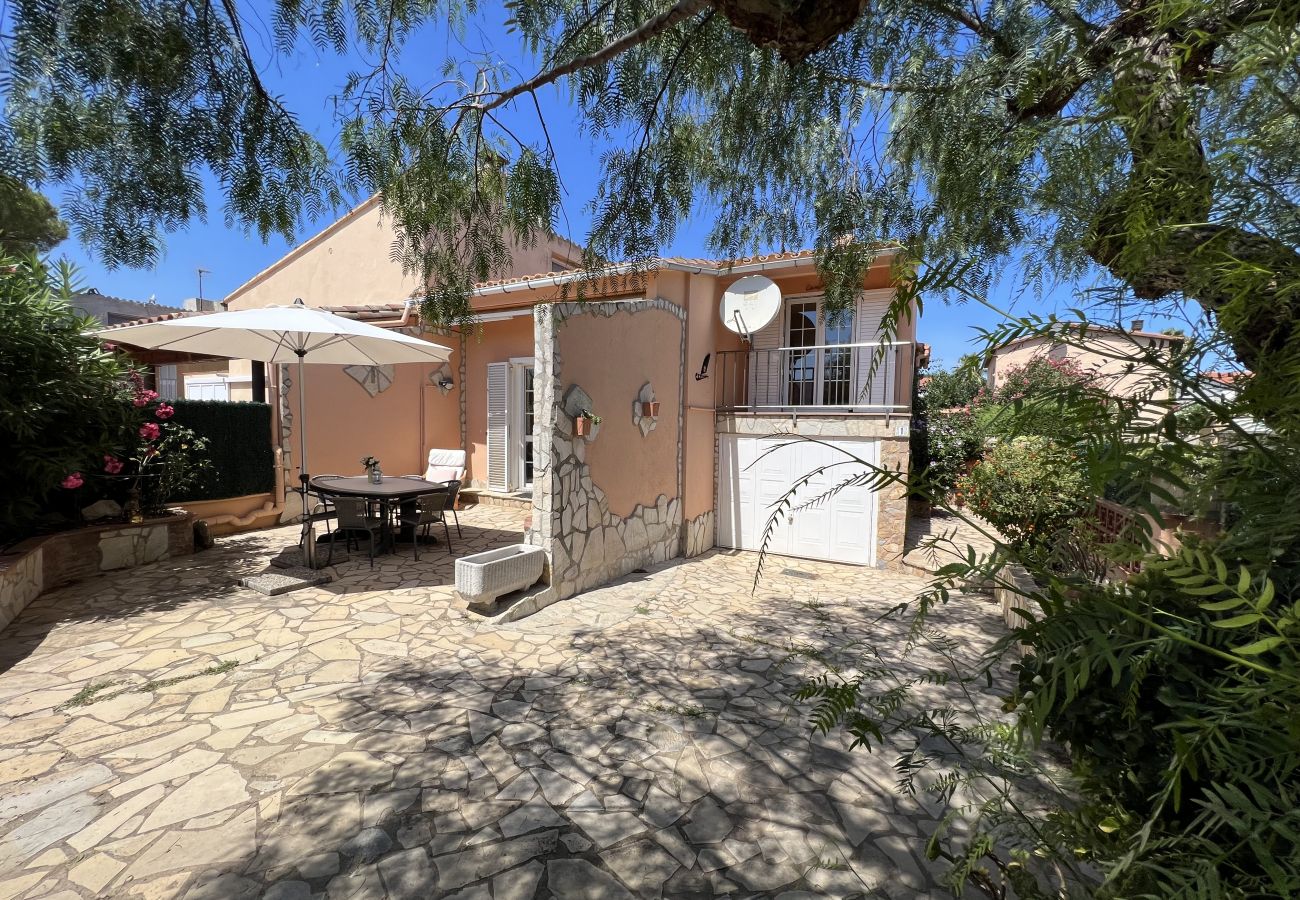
{"type": "Point", "coordinates": [1110, 354]}
{"type": "Point", "coordinates": [205, 380]}
{"type": "Point", "coordinates": [115, 310]}
{"type": "Point", "coordinates": [646, 487]}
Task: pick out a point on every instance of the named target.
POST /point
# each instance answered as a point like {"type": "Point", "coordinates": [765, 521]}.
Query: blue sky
{"type": "Point", "coordinates": [309, 79]}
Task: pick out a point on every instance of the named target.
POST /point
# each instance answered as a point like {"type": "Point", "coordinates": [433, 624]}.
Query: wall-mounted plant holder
{"type": "Point", "coordinates": [579, 408]}
{"type": "Point", "coordinates": [645, 409]}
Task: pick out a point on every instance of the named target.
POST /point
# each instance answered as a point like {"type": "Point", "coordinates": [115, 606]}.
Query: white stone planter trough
{"type": "Point", "coordinates": [484, 577]}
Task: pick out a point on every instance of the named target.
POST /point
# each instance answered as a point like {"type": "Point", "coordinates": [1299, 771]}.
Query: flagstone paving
{"type": "Point", "coordinates": [166, 733]}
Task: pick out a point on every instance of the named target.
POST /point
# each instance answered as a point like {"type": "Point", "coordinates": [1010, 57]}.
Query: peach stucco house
{"type": "Point", "coordinates": [1111, 355]}
{"type": "Point", "coordinates": [641, 489]}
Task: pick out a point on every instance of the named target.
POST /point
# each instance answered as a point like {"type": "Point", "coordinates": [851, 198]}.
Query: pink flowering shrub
{"type": "Point", "coordinates": [113, 465]}
{"type": "Point", "coordinates": [150, 431]}
{"type": "Point", "coordinates": [73, 481]}
{"type": "Point", "coordinates": [164, 411]}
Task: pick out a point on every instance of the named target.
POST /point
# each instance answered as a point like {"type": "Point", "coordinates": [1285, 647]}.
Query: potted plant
{"type": "Point", "coordinates": [650, 408]}
{"type": "Point", "coordinates": [586, 421]}
{"type": "Point", "coordinates": [373, 472]}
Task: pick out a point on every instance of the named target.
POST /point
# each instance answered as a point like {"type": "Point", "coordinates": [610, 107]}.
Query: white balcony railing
{"type": "Point", "coordinates": [861, 378]}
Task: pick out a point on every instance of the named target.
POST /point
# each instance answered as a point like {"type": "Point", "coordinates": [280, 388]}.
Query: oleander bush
{"type": "Point", "coordinates": [59, 395]}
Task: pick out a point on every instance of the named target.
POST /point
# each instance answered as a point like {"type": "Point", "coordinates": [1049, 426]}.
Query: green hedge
{"type": "Point", "coordinates": [239, 446]}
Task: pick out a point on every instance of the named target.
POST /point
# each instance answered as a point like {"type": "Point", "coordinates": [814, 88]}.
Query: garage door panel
{"type": "Point", "coordinates": [755, 473]}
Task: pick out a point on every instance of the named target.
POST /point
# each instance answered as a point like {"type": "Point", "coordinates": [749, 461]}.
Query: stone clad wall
{"type": "Point", "coordinates": [699, 535]}
{"type": "Point", "coordinates": [45, 563]}
{"type": "Point", "coordinates": [589, 543]}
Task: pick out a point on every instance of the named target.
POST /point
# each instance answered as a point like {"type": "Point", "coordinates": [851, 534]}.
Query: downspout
{"type": "Point", "coordinates": [412, 307]}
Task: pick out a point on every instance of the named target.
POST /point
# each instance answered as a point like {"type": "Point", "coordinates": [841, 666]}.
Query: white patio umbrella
{"type": "Point", "coordinates": [282, 334]}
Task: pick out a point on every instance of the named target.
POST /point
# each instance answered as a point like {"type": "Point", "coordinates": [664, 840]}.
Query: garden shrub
{"type": "Point", "coordinates": [59, 395]}
{"type": "Point", "coordinates": [954, 441]}
{"type": "Point", "coordinates": [1029, 488]}
{"type": "Point", "coordinates": [239, 447]}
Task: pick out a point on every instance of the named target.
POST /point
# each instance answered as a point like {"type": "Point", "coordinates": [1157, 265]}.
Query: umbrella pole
{"type": "Point", "coordinates": [308, 537]}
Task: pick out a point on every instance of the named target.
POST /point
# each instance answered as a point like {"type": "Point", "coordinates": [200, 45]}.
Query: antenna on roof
{"type": "Point", "coordinates": [201, 272]}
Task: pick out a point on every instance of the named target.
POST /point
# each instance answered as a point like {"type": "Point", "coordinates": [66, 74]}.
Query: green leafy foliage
{"type": "Point", "coordinates": [1162, 668]}
{"type": "Point", "coordinates": [946, 389]}
{"type": "Point", "coordinates": [1029, 488]}
{"type": "Point", "coordinates": [954, 443]}
{"type": "Point", "coordinates": [1136, 143]}
{"type": "Point", "coordinates": [29, 223]}
{"type": "Point", "coordinates": [60, 408]}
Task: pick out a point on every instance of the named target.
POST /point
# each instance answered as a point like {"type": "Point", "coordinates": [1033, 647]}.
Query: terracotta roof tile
{"type": "Point", "coordinates": [1225, 377]}
{"type": "Point", "coordinates": [651, 265]}
{"type": "Point", "coordinates": [149, 320]}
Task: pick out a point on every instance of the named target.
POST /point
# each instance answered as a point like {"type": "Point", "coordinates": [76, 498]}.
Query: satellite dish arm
{"type": "Point", "coordinates": [741, 327]}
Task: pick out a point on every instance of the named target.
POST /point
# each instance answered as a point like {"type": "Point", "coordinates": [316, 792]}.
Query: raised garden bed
{"type": "Point", "coordinates": [50, 561]}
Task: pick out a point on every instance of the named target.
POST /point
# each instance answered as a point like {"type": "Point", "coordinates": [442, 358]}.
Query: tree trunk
{"type": "Point", "coordinates": [1157, 233]}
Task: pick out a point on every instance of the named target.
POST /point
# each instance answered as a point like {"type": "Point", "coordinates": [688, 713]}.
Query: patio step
{"type": "Point", "coordinates": [514, 500]}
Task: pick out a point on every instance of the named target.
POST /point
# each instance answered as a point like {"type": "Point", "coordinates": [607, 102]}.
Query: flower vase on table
{"type": "Point", "coordinates": [373, 472]}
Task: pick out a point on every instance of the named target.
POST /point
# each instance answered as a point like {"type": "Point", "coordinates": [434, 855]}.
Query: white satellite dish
{"type": "Point", "coordinates": [750, 304]}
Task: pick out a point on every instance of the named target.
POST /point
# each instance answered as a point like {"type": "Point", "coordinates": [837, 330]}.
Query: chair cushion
{"type": "Point", "coordinates": [447, 458]}
{"type": "Point", "coordinates": [445, 465]}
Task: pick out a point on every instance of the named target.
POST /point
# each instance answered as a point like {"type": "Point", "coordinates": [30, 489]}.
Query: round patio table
{"type": "Point", "coordinates": [392, 489]}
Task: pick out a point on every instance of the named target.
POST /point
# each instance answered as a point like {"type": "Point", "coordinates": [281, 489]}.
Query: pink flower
{"type": "Point", "coordinates": [164, 411]}
{"type": "Point", "coordinates": [150, 431]}
{"type": "Point", "coordinates": [144, 397]}
{"type": "Point", "coordinates": [73, 481]}
{"type": "Point", "coordinates": [112, 465]}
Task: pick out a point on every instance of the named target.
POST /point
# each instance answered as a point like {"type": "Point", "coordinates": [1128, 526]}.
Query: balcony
{"type": "Point", "coordinates": [869, 378]}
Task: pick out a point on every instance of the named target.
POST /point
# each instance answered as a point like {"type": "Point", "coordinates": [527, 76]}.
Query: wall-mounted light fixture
{"type": "Point", "coordinates": [441, 379]}
{"type": "Point", "coordinates": [704, 369]}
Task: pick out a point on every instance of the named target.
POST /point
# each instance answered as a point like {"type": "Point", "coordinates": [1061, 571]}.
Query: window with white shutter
{"type": "Point", "coordinates": [166, 378]}
{"type": "Point", "coordinates": [498, 426]}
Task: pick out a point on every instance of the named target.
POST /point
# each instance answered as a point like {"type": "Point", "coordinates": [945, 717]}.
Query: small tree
{"type": "Point", "coordinates": [1029, 488]}
{"type": "Point", "coordinates": [951, 388]}
{"type": "Point", "coordinates": [59, 391]}
{"type": "Point", "coordinates": [29, 223]}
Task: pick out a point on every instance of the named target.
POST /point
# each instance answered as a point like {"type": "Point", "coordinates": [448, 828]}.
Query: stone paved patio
{"type": "Point", "coordinates": [165, 733]}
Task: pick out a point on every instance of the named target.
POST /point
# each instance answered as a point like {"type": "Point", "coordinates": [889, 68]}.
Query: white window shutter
{"type": "Point", "coordinates": [873, 390]}
{"type": "Point", "coordinates": [767, 371]}
{"type": "Point", "coordinates": [498, 426]}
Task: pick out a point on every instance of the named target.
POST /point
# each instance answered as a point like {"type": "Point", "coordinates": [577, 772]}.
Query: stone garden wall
{"type": "Point", "coordinates": [609, 502]}
{"type": "Point", "coordinates": [699, 535]}
{"type": "Point", "coordinates": [45, 563]}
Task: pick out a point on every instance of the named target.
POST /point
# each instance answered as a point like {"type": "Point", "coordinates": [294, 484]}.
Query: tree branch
{"type": "Point", "coordinates": [683, 9]}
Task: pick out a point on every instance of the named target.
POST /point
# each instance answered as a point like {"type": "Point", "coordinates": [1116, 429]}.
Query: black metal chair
{"type": "Point", "coordinates": [319, 507]}
{"type": "Point", "coordinates": [354, 516]}
{"type": "Point", "coordinates": [453, 492]}
{"type": "Point", "coordinates": [430, 509]}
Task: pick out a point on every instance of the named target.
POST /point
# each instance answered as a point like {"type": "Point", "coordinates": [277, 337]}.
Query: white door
{"type": "Point", "coordinates": [754, 473]}
{"type": "Point", "coordinates": [522, 424]}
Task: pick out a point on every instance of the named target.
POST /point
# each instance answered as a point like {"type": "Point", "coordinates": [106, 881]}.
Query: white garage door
{"type": "Point", "coordinates": [754, 473]}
